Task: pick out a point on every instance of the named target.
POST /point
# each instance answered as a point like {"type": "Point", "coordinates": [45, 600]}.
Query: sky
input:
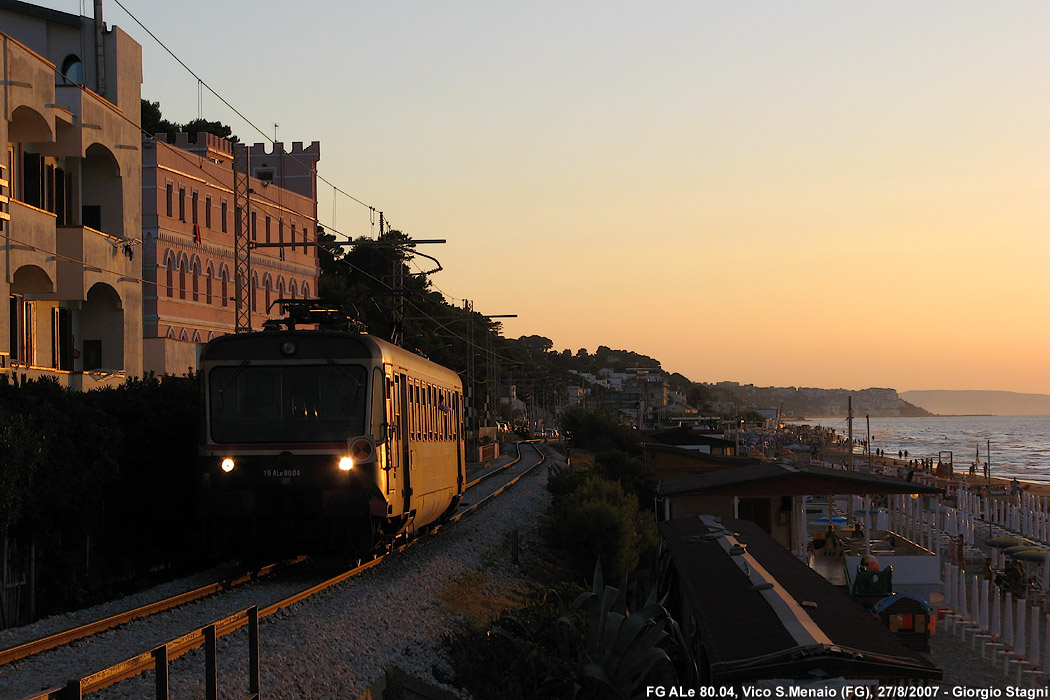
{"type": "Point", "coordinates": [824, 194]}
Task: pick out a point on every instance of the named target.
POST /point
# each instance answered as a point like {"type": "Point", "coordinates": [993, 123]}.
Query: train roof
{"type": "Point", "coordinates": [321, 345]}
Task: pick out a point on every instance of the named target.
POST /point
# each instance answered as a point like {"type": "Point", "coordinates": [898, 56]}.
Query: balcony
{"type": "Point", "coordinates": [87, 257]}
{"type": "Point", "coordinates": [31, 238]}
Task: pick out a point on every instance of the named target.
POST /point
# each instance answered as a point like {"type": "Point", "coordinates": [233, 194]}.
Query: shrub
{"type": "Point", "coordinates": [523, 655]}
{"type": "Point", "coordinates": [631, 472]}
{"type": "Point", "coordinates": [598, 430]}
{"type": "Point", "coordinates": [96, 481]}
{"type": "Point", "coordinates": [598, 520]}
{"type": "Point", "coordinates": [588, 649]}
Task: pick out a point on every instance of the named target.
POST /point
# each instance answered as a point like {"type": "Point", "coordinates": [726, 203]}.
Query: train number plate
{"type": "Point", "coordinates": [281, 473]}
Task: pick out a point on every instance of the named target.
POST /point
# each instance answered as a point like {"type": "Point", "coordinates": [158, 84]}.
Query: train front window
{"type": "Point", "coordinates": [289, 403]}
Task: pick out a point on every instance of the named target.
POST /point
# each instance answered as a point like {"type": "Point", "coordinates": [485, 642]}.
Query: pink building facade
{"type": "Point", "coordinates": [188, 213]}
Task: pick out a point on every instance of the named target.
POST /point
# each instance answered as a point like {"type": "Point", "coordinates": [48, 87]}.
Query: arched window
{"type": "Point", "coordinates": [182, 278]}
{"type": "Point", "coordinates": [293, 289]}
{"type": "Point", "coordinates": [255, 293]}
{"type": "Point", "coordinates": [268, 284]}
{"type": "Point", "coordinates": [225, 286]}
{"type": "Point", "coordinates": [170, 277]}
{"type": "Point", "coordinates": [207, 284]}
{"type": "Point", "coordinates": [194, 277]}
{"type": "Point", "coordinates": [72, 70]}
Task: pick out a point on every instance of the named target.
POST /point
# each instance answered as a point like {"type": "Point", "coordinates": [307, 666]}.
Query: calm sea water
{"type": "Point", "coordinates": [1020, 445]}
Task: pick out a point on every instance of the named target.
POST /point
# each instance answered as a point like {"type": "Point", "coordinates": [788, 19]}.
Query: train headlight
{"type": "Point", "coordinates": [346, 464]}
{"type": "Point", "coordinates": [362, 450]}
{"type": "Point", "coordinates": [227, 465]}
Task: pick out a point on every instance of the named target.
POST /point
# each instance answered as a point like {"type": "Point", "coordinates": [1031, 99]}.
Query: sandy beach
{"type": "Point", "coordinates": [961, 473]}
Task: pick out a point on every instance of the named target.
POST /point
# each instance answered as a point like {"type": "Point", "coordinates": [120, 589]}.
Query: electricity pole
{"type": "Point", "coordinates": [242, 243]}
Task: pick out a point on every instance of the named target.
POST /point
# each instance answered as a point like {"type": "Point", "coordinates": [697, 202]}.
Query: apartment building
{"type": "Point", "coordinates": [70, 197]}
{"type": "Point", "coordinates": [118, 248]}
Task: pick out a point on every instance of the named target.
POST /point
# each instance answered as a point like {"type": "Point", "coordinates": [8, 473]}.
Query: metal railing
{"type": "Point", "coordinates": [159, 657]}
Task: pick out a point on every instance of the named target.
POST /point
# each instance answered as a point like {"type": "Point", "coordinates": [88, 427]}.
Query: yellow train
{"type": "Point", "coordinates": [325, 439]}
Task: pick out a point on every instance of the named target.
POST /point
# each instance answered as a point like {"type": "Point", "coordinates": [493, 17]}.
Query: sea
{"type": "Point", "coordinates": [1019, 446]}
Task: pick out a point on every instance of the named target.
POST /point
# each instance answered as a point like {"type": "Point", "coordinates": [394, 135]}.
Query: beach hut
{"type": "Point", "coordinates": [908, 617]}
{"type": "Point", "coordinates": [753, 612]}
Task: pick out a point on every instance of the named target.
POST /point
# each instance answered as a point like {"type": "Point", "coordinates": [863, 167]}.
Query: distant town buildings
{"type": "Point", "coordinates": [118, 248]}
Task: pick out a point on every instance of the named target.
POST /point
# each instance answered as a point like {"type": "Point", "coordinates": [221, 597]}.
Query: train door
{"type": "Point", "coordinates": [457, 435]}
{"type": "Point", "coordinates": [393, 438]}
{"type": "Point", "coordinates": [398, 435]}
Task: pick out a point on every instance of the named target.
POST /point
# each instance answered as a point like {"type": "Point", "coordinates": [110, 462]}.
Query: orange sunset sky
{"type": "Point", "coordinates": [810, 193]}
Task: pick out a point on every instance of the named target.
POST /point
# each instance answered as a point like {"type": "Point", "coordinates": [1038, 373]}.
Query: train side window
{"type": "Point", "coordinates": [456, 413]}
{"type": "Point", "coordinates": [430, 412]}
{"type": "Point", "coordinates": [411, 409]}
{"type": "Point", "coordinates": [378, 405]}
{"type": "Point", "coordinates": [452, 415]}
{"type": "Point", "coordinates": [419, 414]}
{"type": "Point", "coordinates": [416, 408]}
{"type": "Point", "coordinates": [439, 415]}
{"type": "Point", "coordinates": [420, 429]}
{"type": "Point", "coordinates": [442, 414]}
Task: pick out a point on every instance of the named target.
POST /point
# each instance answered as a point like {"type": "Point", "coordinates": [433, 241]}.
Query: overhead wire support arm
{"type": "Point", "coordinates": [369, 242]}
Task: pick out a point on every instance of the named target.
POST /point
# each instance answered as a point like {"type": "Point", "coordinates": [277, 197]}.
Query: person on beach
{"type": "Point", "coordinates": [1016, 579]}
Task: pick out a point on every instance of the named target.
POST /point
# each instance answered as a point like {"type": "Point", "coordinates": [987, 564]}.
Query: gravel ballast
{"type": "Point", "coordinates": [339, 642]}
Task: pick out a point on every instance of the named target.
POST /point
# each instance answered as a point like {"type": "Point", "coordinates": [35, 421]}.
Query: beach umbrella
{"type": "Point", "coordinates": [1021, 629]}
{"type": "Point", "coordinates": [1046, 659]}
{"type": "Point", "coordinates": [1008, 621]}
{"type": "Point", "coordinates": [1004, 541]}
{"type": "Point", "coordinates": [1034, 655]}
{"type": "Point", "coordinates": [997, 615]}
{"type": "Point", "coordinates": [984, 603]}
{"type": "Point", "coordinates": [1030, 554]}
{"type": "Point", "coordinates": [837, 520]}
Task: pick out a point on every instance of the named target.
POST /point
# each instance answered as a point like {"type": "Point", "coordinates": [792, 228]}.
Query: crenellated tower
{"type": "Point", "coordinates": [294, 170]}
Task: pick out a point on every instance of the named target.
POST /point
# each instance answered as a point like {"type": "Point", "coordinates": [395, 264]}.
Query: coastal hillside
{"type": "Point", "coordinates": [995, 403]}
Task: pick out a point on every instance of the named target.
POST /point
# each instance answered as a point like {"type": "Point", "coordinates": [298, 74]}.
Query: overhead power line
{"type": "Point", "coordinates": [226, 102]}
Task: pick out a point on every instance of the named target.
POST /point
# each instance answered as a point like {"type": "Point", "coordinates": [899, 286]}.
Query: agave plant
{"type": "Point", "coordinates": [623, 647]}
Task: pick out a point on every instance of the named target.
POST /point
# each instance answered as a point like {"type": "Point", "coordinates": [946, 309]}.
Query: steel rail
{"type": "Point", "coordinates": [65, 637]}
{"type": "Point", "coordinates": [497, 470]}
{"type": "Point", "coordinates": [468, 511]}
{"type": "Point", "coordinates": [195, 639]}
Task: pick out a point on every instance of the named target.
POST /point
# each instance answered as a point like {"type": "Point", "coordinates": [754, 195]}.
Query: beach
{"type": "Point", "coordinates": [963, 666]}
{"type": "Point", "coordinates": [1037, 488]}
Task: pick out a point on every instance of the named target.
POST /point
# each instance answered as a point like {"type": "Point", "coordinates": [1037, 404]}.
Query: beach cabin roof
{"type": "Point", "coordinates": [687, 436]}
{"type": "Point", "coordinates": [774, 479]}
{"type": "Point", "coordinates": [760, 613]}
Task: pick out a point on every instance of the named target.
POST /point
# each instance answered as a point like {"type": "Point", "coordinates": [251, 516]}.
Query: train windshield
{"type": "Point", "coordinates": [287, 403]}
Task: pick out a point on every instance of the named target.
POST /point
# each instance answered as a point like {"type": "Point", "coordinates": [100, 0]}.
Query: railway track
{"type": "Point", "coordinates": [479, 492]}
